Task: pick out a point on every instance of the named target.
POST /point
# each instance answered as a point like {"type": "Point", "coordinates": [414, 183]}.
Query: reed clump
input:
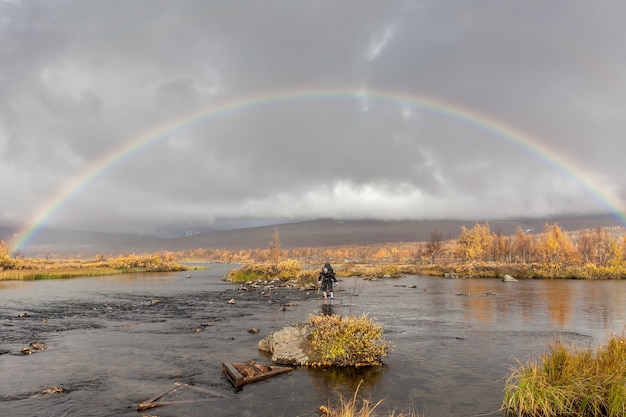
{"type": "Point", "coordinates": [360, 407]}
{"type": "Point", "coordinates": [570, 381]}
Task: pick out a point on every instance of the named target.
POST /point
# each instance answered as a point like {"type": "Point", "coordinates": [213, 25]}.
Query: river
{"type": "Point", "coordinates": [113, 342]}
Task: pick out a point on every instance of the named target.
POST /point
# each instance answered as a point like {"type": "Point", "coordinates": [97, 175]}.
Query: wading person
{"type": "Point", "coordinates": [326, 279]}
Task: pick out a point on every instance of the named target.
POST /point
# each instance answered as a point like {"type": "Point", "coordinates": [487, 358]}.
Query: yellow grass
{"type": "Point", "coordinates": [35, 269]}
{"type": "Point", "coordinates": [568, 381]}
{"type": "Point", "coordinates": [30, 275]}
{"type": "Point", "coordinates": [355, 407]}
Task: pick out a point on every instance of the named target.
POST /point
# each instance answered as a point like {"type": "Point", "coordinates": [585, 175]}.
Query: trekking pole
{"type": "Point", "coordinates": [339, 292]}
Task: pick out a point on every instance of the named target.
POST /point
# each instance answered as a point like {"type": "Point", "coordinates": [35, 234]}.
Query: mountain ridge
{"type": "Point", "coordinates": [310, 233]}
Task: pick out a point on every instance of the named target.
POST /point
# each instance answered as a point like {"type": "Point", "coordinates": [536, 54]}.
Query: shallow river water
{"type": "Point", "coordinates": [116, 341]}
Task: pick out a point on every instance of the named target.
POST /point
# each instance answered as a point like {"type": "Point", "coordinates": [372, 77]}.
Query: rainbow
{"type": "Point", "coordinates": [421, 103]}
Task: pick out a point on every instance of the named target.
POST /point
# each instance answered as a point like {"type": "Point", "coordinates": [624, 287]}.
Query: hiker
{"type": "Point", "coordinates": [326, 279]}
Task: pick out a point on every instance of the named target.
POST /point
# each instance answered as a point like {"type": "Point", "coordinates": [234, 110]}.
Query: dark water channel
{"type": "Point", "coordinates": [111, 345]}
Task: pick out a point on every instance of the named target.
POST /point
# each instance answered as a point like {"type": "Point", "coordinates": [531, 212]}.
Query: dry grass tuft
{"type": "Point", "coordinates": [566, 381]}
{"type": "Point", "coordinates": [353, 407]}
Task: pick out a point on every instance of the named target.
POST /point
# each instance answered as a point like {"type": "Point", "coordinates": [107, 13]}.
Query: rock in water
{"type": "Point", "coordinates": [286, 344]}
{"type": "Point", "coordinates": [508, 278]}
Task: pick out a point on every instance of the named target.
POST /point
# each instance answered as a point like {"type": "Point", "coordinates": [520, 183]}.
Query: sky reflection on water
{"type": "Point", "coordinates": [455, 341]}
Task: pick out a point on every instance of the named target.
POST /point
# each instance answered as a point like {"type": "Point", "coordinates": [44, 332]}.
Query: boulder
{"type": "Point", "coordinates": [289, 345]}
{"type": "Point", "coordinates": [508, 278]}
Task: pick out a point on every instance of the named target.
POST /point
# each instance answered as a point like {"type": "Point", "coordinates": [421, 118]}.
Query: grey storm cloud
{"type": "Point", "coordinates": [80, 80]}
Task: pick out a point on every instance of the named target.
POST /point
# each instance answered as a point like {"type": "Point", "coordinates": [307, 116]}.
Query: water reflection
{"type": "Point", "coordinates": [8, 285]}
{"type": "Point", "coordinates": [153, 278]}
{"type": "Point", "coordinates": [345, 380]}
{"type": "Point", "coordinates": [537, 304]}
{"type": "Point", "coordinates": [106, 341]}
{"type": "Point", "coordinates": [328, 309]}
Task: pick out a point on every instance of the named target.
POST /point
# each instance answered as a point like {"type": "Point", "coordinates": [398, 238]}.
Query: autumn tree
{"type": "Point", "coordinates": [556, 249]}
{"type": "Point", "coordinates": [382, 254]}
{"type": "Point", "coordinates": [617, 250]}
{"type": "Point", "coordinates": [6, 262]}
{"type": "Point", "coordinates": [522, 246]}
{"type": "Point", "coordinates": [595, 247]}
{"type": "Point", "coordinates": [275, 250]}
{"type": "Point", "coordinates": [434, 246]}
{"type": "Point", "coordinates": [472, 244]}
{"type": "Point", "coordinates": [500, 247]}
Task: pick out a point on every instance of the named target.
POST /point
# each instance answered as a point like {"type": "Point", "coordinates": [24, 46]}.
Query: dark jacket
{"type": "Point", "coordinates": [328, 276]}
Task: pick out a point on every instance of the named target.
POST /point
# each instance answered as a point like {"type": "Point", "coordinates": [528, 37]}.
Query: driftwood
{"type": "Point", "coordinates": [250, 371]}
{"type": "Point", "coordinates": [154, 402]}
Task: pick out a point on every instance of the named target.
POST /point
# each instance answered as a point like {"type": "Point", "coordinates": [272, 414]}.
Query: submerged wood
{"type": "Point", "coordinates": [250, 371]}
{"type": "Point", "coordinates": [154, 402]}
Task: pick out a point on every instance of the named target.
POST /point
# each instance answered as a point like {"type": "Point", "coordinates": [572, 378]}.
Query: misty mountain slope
{"type": "Point", "coordinates": [314, 233]}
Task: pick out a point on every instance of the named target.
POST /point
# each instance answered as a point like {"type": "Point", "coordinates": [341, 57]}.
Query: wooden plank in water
{"type": "Point", "coordinates": [237, 379]}
{"type": "Point", "coordinates": [152, 401]}
{"type": "Point", "coordinates": [233, 374]}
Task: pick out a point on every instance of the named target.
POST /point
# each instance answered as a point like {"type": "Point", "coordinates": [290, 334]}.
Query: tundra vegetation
{"type": "Point", "coordinates": [598, 253]}
{"type": "Point", "coordinates": [35, 268]}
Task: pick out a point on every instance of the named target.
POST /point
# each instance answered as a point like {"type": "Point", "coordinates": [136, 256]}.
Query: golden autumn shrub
{"type": "Point", "coordinates": [285, 270]}
{"type": "Point", "coordinates": [347, 340]}
{"type": "Point", "coordinates": [251, 272]}
{"type": "Point", "coordinates": [6, 262]}
{"type": "Point", "coordinates": [288, 269]}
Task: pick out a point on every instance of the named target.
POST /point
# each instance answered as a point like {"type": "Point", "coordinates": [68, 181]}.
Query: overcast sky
{"type": "Point", "coordinates": [80, 80]}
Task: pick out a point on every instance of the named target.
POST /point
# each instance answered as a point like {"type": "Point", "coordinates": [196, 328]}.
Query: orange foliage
{"type": "Point", "coordinates": [552, 250]}
{"type": "Point", "coordinates": [556, 249]}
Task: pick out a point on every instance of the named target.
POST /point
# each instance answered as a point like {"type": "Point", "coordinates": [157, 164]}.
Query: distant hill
{"type": "Point", "coordinates": [64, 242]}
{"type": "Point", "coordinates": [329, 232]}
{"type": "Point", "coordinates": [314, 233]}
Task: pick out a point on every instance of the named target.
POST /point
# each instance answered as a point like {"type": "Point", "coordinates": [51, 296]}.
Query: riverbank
{"type": "Point", "coordinates": [39, 269]}
{"type": "Point", "coordinates": [28, 269]}
{"type": "Point", "coordinates": [308, 273]}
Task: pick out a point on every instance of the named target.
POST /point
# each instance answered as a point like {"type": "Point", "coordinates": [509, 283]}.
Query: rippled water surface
{"type": "Point", "coordinates": [114, 342]}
